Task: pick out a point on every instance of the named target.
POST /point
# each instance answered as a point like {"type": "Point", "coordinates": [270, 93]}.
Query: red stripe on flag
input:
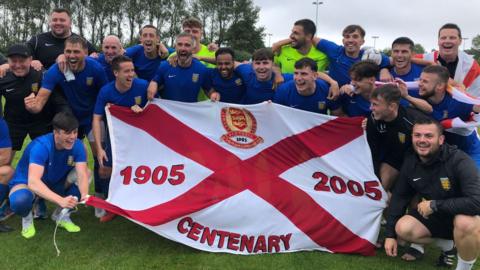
{"type": "Point", "coordinates": [472, 74]}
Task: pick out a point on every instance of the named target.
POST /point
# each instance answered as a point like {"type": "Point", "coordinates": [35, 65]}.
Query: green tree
{"type": "Point", "coordinates": [418, 48]}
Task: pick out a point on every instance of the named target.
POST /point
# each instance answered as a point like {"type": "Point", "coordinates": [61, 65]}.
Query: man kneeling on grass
{"type": "Point", "coordinates": [448, 181]}
{"type": "Point", "coordinates": [46, 169]}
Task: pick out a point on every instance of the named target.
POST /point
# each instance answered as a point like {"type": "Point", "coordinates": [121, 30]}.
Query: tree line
{"type": "Point", "coordinates": [228, 22]}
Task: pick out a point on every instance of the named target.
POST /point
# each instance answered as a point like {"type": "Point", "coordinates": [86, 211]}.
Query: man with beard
{"type": "Point", "coordinates": [463, 69]}
{"type": "Point", "coordinates": [111, 48]}
{"type": "Point", "coordinates": [224, 80]}
{"type": "Point", "coordinates": [44, 171]}
{"type": "Point", "coordinates": [402, 53]}
{"type": "Point", "coordinates": [80, 86]}
{"type": "Point", "coordinates": [448, 182]}
{"type": "Point", "coordinates": [184, 80]}
{"type": "Point", "coordinates": [126, 91]}
{"type": "Point", "coordinates": [298, 46]}
{"type": "Point", "coordinates": [149, 54]}
{"type": "Point", "coordinates": [306, 92]}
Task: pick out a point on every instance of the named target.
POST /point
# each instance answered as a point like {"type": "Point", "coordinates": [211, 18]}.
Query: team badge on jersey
{"type": "Point", "coordinates": [195, 77]}
{"type": "Point", "coordinates": [34, 87]}
{"type": "Point", "coordinates": [89, 81]}
{"type": "Point", "coordinates": [446, 185]}
{"type": "Point", "coordinates": [138, 100]}
{"type": "Point", "coordinates": [322, 105]}
{"type": "Point", "coordinates": [70, 161]}
{"type": "Point", "coordinates": [238, 82]}
{"type": "Point", "coordinates": [401, 137]}
{"type": "Point", "coordinates": [445, 114]}
{"type": "Point", "coordinates": [241, 126]}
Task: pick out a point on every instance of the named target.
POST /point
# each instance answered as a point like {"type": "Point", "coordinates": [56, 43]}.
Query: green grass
{"type": "Point", "coordinates": [122, 244]}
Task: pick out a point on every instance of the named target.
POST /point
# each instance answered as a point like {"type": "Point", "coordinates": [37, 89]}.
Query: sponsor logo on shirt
{"type": "Point", "coordinates": [49, 44]}
{"type": "Point", "coordinates": [445, 183]}
{"type": "Point", "coordinates": [89, 81]}
{"type": "Point", "coordinates": [195, 77]}
{"type": "Point", "coordinates": [322, 105]}
{"type": "Point", "coordinates": [171, 76]}
{"type": "Point", "coordinates": [138, 100]}
{"type": "Point", "coordinates": [70, 161]}
{"type": "Point", "coordinates": [34, 87]}
{"type": "Point", "coordinates": [401, 137]}
{"type": "Point", "coordinates": [9, 90]}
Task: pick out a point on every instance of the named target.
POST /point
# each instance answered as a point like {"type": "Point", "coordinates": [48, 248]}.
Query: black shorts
{"type": "Point", "coordinates": [18, 132]}
{"type": "Point", "coordinates": [439, 225]}
{"type": "Point", "coordinates": [393, 159]}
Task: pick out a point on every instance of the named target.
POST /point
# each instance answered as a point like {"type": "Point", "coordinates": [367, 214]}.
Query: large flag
{"type": "Point", "coordinates": [245, 179]}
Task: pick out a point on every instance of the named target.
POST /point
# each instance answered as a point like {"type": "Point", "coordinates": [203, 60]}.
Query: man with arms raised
{"type": "Point", "coordinates": [306, 92]}
{"type": "Point", "coordinates": [184, 80]}
{"type": "Point", "coordinates": [44, 171]}
{"type": "Point", "coordinates": [448, 182]}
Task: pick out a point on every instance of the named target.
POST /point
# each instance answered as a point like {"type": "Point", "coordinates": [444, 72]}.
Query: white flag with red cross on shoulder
{"type": "Point", "coordinates": [245, 179]}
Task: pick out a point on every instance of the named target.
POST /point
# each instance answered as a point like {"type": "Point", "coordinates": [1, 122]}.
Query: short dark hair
{"type": "Point", "coordinates": [62, 10]}
{"type": "Point", "coordinates": [150, 26]}
{"type": "Point", "coordinates": [263, 54]}
{"type": "Point", "coordinates": [64, 120]}
{"type": "Point", "coordinates": [404, 41]}
{"type": "Point", "coordinates": [117, 60]}
{"type": "Point", "coordinates": [440, 71]}
{"type": "Point", "coordinates": [451, 26]}
{"type": "Point", "coordinates": [225, 50]}
{"type": "Point", "coordinates": [389, 92]}
{"type": "Point", "coordinates": [308, 26]}
{"type": "Point", "coordinates": [192, 22]}
{"type": "Point", "coordinates": [351, 28]}
{"type": "Point", "coordinates": [364, 69]}
{"type": "Point", "coordinates": [74, 39]}
{"type": "Point", "coordinates": [428, 121]}
{"type": "Point", "coordinates": [306, 62]}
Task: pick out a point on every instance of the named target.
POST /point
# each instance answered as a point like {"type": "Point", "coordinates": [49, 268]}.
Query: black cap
{"type": "Point", "coordinates": [19, 49]}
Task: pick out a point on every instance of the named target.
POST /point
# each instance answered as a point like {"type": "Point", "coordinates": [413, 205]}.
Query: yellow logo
{"type": "Point", "coordinates": [195, 77]}
{"type": "Point", "coordinates": [445, 114]}
{"type": "Point", "coordinates": [34, 87]}
{"type": "Point", "coordinates": [241, 126]}
{"type": "Point", "coordinates": [238, 82]}
{"type": "Point", "coordinates": [89, 81]}
{"type": "Point", "coordinates": [70, 161]}
{"type": "Point", "coordinates": [322, 105]}
{"type": "Point", "coordinates": [401, 137]}
{"type": "Point", "coordinates": [445, 183]}
{"type": "Point", "coordinates": [138, 100]}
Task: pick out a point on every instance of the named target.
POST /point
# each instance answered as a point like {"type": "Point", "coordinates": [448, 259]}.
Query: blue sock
{"type": "Point", "coordinates": [21, 202]}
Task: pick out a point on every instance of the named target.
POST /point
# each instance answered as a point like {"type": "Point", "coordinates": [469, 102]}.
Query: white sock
{"type": "Point", "coordinates": [444, 244]}
{"type": "Point", "coordinates": [418, 247]}
{"type": "Point", "coordinates": [27, 221]}
{"type": "Point", "coordinates": [464, 265]}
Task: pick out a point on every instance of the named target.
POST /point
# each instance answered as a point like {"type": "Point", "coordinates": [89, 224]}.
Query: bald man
{"type": "Point", "coordinates": [111, 47]}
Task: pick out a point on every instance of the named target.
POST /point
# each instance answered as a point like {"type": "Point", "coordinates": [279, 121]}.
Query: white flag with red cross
{"type": "Point", "coordinates": [249, 179]}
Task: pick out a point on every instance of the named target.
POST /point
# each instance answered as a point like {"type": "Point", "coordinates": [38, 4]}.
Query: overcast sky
{"type": "Point", "coordinates": [388, 19]}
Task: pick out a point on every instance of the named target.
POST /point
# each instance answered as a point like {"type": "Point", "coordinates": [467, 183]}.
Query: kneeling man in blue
{"type": "Point", "coordinates": [46, 170]}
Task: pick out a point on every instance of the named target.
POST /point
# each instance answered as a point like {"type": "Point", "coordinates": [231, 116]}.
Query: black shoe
{"type": "Point", "coordinates": [5, 228]}
{"type": "Point", "coordinates": [447, 258]}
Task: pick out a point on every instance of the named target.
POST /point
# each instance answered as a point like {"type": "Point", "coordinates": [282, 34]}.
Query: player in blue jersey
{"type": "Point", "coordinates": [259, 77]}
{"type": "Point", "coordinates": [80, 85]}
{"type": "Point", "coordinates": [224, 80]}
{"type": "Point", "coordinates": [6, 171]}
{"type": "Point", "coordinates": [149, 54]}
{"type": "Point", "coordinates": [45, 170]}
{"type": "Point", "coordinates": [433, 88]}
{"type": "Point", "coordinates": [402, 54]}
{"type": "Point", "coordinates": [306, 92]}
{"type": "Point", "coordinates": [184, 80]}
{"type": "Point", "coordinates": [341, 58]}
{"type": "Point", "coordinates": [111, 48]}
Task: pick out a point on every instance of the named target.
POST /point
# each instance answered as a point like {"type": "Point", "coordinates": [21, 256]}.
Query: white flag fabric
{"type": "Point", "coordinates": [248, 179]}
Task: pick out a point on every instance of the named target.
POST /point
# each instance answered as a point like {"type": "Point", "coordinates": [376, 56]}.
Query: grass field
{"type": "Point", "coordinates": [122, 244]}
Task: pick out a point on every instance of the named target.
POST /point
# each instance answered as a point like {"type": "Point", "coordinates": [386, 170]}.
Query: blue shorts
{"type": "Point", "coordinates": [5, 141]}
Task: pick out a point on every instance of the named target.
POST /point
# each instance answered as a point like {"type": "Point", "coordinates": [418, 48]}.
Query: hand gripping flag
{"type": "Point", "coordinates": [245, 179]}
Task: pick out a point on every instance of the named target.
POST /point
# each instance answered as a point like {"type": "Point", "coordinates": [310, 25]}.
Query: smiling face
{"type": "Point", "coordinates": [352, 43]}
{"type": "Point", "coordinates": [19, 65]}
{"type": "Point", "coordinates": [60, 24]}
{"type": "Point", "coordinates": [305, 80]}
{"type": "Point", "coordinates": [184, 46]}
{"type": "Point", "coordinates": [263, 69]}
{"type": "Point", "coordinates": [426, 140]}
{"type": "Point", "coordinates": [75, 56]}
{"type": "Point", "coordinates": [298, 37]}
{"type": "Point", "coordinates": [124, 75]}
{"type": "Point", "coordinates": [448, 42]}
{"type": "Point", "coordinates": [428, 85]}
{"type": "Point", "coordinates": [401, 55]}
{"type": "Point", "coordinates": [225, 65]}
{"type": "Point", "coordinates": [111, 48]}
{"type": "Point", "coordinates": [64, 139]}
{"type": "Point", "coordinates": [149, 39]}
